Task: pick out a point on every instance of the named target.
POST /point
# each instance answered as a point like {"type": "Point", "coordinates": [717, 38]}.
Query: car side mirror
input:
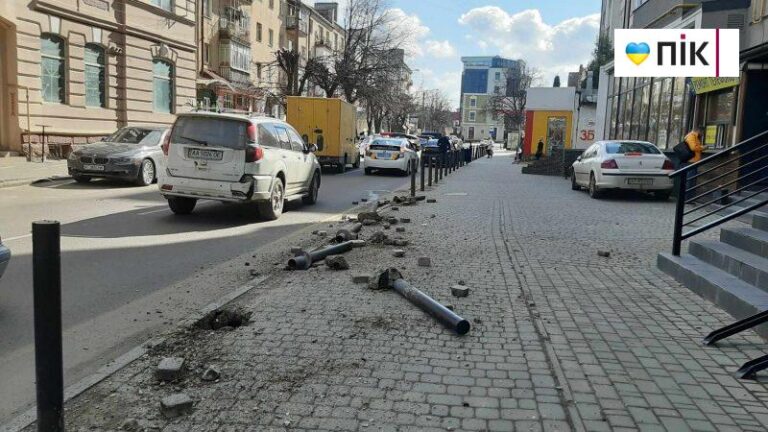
{"type": "Point", "coordinates": [578, 159]}
{"type": "Point", "coordinates": [310, 148]}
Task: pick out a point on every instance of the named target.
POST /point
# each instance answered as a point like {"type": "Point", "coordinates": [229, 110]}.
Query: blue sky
{"type": "Point", "coordinates": [553, 36]}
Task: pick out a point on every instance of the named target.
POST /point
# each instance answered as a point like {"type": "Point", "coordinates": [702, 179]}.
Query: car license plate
{"type": "Point", "coordinates": [384, 155]}
{"type": "Point", "coordinates": [202, 154]}
{"type": "Point", "coordinates": [93, 167]}
{"type": "Point", "coordinates": [640, 181]}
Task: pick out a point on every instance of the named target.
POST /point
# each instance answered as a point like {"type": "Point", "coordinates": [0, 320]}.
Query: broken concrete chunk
{"type": "Point", "coordinates": [459, 291]}
{"type": "Point", "coordinates": [176, 405]}
{"type": "Point", "coordinates": [211, 374]}
{"type": "Point", "coordinates": [400, 229]}
{"type": "Point", "coordinates": [131, 425]}
{"type": "Point", "coordinates": [431, 200]}
{"type": "Point", "coordinates": [295, 250]}
{"type": "Point", "coordinates": [361, 278]}
{"type": "Point", "coordinates": [170, 368]}
{"type": "Point", "coordinates": [392, 220]}
{"type": "Point", "coordinates": [366, 215]}
{"type": "Point", "coordinates": [337, 262]}
{"type": "Point", "coordinates": [322, 233]}
{"type": "Point", "coordinates": [225, 317]}
{"type": "Point", "coordinates": [355, 203]}
{"type": "Point", "coordinates": [405, 220]}
{"type": "Point", "coordinates": [398, 253]}
{"type": "Point", "coordinates": [603, 253]}
{"type": "Point", "coordinates": [425, 262]}
{"type": "Point", "coordinates": [395, 208]}
{"type": "Point", "coordinates": [420, 197]}
{"type": "Point", "coordinates": [378, 237]}
{"type": "Point", "coordinates": [386, 225]}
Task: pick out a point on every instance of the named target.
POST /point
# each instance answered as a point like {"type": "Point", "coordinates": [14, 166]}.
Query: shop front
{"type": "Point", "coordinates": [716, 113]}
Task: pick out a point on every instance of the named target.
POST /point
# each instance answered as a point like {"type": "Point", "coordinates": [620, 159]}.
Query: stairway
{"type": "Point", "coordinates": [731, 272]}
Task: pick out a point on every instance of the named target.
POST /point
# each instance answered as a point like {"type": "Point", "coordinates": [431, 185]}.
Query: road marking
{"type": "Point", "coordinates": [152, 211]}
{"type": "Point", "coordinates": [17, 237]}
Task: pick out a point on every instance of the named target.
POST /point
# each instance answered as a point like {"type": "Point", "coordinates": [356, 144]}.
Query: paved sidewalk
{"type": "Point", "coordinates": [562, 339]}
{"type": "Point", "coordinates": [15, 170]}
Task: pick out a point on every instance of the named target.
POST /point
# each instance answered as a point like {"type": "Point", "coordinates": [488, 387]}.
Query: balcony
{"type": "Point", "coordinates": [234, 76]}
{"type": "Point", "coordinates": [293, 24]}
{"type": "Point", "coordinates": [323, 48]}
{"type": "Point", "coordinates": [659, 13]}
{"type": "Point", "coordinates": [230, 29]}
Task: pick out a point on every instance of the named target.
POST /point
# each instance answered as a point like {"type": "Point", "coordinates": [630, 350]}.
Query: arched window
{"type": "Point", "coordinates": [52, 58]}
{"type": "Point", "coordinates": [162, 78]}
{"type": "Point", "coordinates": [94, 75]}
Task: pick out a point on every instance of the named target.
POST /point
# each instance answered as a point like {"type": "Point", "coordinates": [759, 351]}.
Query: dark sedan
{"type": "Point", "coordinates": [132, 153]}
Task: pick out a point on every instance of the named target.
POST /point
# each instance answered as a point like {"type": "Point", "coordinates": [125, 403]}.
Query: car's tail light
{"type": "Point", "coordinates": [251, 132]}
{"type": "Point", "coordinates": [166, 187]}
{"type": "Point", "coordinates": [609, 164]}
{"type": "Point", "coordinates": [167, 143]}
{"type": "Point", "coordinates": [253, 153]}
{"type": "Point", "coordinates": [668, 165]}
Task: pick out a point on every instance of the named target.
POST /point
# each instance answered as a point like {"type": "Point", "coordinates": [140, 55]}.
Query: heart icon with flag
{"type": "Point", "coordinates": [638, 52]}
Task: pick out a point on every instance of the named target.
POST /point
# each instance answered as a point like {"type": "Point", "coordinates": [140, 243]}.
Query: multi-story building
{"type": "Point", "coordinates": [313, 32]}
{"type": "Point", "coordinates": [224, 63]}
{"type": "Point", "coordinates": [662, 110]}
{"type": "Point", "coordinates": [82, 69]}
{"type": "Point", "coordinates": [268, 36]}
{"type": "Point", "coordinates": [482, 79]}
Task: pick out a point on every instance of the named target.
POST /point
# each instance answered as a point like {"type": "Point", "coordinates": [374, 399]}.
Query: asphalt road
{"type": "Point", "coordinates": [126, 263]}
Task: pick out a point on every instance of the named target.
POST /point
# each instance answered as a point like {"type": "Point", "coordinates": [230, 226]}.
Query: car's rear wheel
{"type": "Point", "coordinates": [574, 186]}
{"type": "Point", "coordinates": [356, 165]}
{"type": "Point", "coordinates": [662, 195]}
{"type": "Point", "coordinates": [82, 178]}
{"type": "Point", "coordinates": [181, 205]}
{"type": "Point", "coordinates": [342, 166]}
{"type": "Point", "coordinates": [314, 189]}
{"type": "Point", "coordinates": [272, 209]}
{"type": "Point", "coordinates": [146, 173]}
{"type": "Point", "coordinates": [594, 192]}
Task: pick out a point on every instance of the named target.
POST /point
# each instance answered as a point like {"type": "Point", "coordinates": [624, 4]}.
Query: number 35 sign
{"type": "Point", "coordinates": [587, 134]}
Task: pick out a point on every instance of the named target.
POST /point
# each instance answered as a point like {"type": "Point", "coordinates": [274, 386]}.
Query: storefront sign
{"type": "Point", "coordinates": [706, 85]}
{"type": "Point", "coordinates": [710, 135]}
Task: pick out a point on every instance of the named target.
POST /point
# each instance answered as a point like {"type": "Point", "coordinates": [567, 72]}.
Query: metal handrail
{"type": "Point", "coordinates": [718, 154]}
{"type": "Point", "coordinates": [683, 191]}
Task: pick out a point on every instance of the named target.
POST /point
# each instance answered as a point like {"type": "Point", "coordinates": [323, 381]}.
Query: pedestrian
{"type": "Point", "coordinates": [489, 149]}
{"type": "Point", "coordinates": [693, 141]}
{"type": "Point", "coordinates": [539, 148]}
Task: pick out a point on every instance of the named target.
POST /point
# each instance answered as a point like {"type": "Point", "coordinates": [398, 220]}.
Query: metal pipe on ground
{"type": "Point", "coordinates": [304, 260]}
{"type": "Point", "coordinates": [348, 233]}
{"type": "Point", "coordinates": [392, 278]}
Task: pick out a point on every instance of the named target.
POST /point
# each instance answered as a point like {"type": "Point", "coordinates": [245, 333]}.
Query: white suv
{"type": "Point", "coordinates": [235, 158]}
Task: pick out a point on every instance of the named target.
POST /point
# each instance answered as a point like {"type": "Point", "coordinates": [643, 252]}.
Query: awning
{"type": "Point", "coordinates": [207, 78]}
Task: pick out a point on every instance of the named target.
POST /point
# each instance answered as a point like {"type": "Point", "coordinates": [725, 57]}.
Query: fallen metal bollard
{"type": "Point", "coordinates": [391, 278]}
{"type": "Point", "coordinates": [346, 234]}
{"type": "Point", "coordinates": [303, 260]}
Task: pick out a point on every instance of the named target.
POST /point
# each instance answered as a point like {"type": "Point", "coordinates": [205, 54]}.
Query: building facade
{"type": "Point", "coordinates": [481, 80]}
{"type": "Point", "coordinates": [663, 110]}
{"type": "Point", "coordinates": [82, 69]}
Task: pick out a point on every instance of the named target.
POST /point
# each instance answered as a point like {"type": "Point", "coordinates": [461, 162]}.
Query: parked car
{"type": "Point", "coordinates": [413, 139]}
{"type": "Point", "coordinates": [391, 153]}
{"type": "Point", "coordinates": [236, 158]}
{"type": "Point", "coordinates": [132, 153]}
{"type": "Point", "coordinates": [634, 165]}
{"type": "Point", "coordinates": [430, 147]}
{"type": "Point", "coordinates": [362, 146]}
{"type": "Point", "coordinates": [5, 257]}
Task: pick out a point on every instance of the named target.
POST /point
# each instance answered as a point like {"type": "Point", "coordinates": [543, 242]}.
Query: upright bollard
{"type": "Point", "coordinates": [49, 372]}
{"type": "Point", "coordinates": [414, 168]}
{"type": "Point", "coordinates": [430, 162]}
{"type": "Point", "coordinates": [442, 165]}
{"type": "Point", "coordinates": [421, 162]}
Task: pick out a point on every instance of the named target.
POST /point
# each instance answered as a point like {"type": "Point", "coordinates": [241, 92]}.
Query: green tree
{"type": "Point", "coordinates": [556, 83]}
{"type": "Point", "coordinates": [601, 55]}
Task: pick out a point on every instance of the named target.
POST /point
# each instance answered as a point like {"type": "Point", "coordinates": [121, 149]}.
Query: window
{"type": "Point", "coordinates": [473, 102]}
{"type": "Point", "coordinates": [297, 144]}
{"type": "Point", "coordinates": [258, 32]}
{"type": "Point", "coordinates": [52, 68]}
{"type": "Point", "coordinates": [258, 70]}
{"type": "Point", "coordinates": [94, 75]}
{"type": "Point", "coordinates": [472, 115]}
{"type": "Point", "coordinates": [238, 55]}
{"type": "Point", "coordinates": [497, 76]}
{"type": "Point", "coordinates": [630, 147]}
{"type": "Point", "coordinates": [496, 90]}
{"type": "Point", "coordinates": [207, 8]}
{"type": "Point", "coordinates": [162, 78]}
{"type": "Point", "coordinates": [164, 4]}
{"type": "Point", "coordinates": [271, 37]}
{"type": "Point", "coordinates": [282, 134]}
{"type": "Point", "coordinates": [267, 137]}
{"type": "Point", "coordinates": [206, 53]}
{"type": "Point", "coordinates": [271, 4]}
{"type": "Point", "coordinates": [215, 132]}
{"type": "Point", "coordinates": [666, 93]}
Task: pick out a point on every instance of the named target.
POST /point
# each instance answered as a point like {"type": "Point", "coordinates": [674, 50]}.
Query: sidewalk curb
{"type": "Point", "coordinates": [25, 419]}
{"type": "Point", "coordinates": [31, 181]}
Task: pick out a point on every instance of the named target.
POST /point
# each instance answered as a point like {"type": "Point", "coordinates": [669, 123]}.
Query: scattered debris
{"type": "Point", "coordinates": [369, 222]}
{"type": "Point", "coordinates": [176, 405]}
{"type": "Point", "coordinates": [405, 220]}
{"type": "Point", "coordinates": [254, 273]}
{"type": "Point", "coordinates": [420, 197]}
{"type": "Point", "coordinates": [227, 317]}
{"type": "Point", "coordinates": [378, 238]}
{"type": "Point", "coordinates": [314, 232]}
{"type": "Point", "coordinates": [211, 374]}
{"type": "Point", "coordinates": [461, 282]}
{"type": "Point", "coordinates": [364, 199]}
{"type": "Point", "coordinates": [477, 321]}
{"type": "Point", "coordinates": [392, 220]}
{"type": "Point", "coordinates": [322, 233]}
{"type": "Point", "coordinates": [359, 278]}
{"type": "Point", "coordinates": [348, 232]}
{"type": "Point", "coordinates": [603, 253]}
{"type": "Point", "coordinates": [386, 225]}
{"type": "Point", "coordinates": [400, 229]}
{"type": "Point", "coordinates": [431, 201]}
{"type": "Point", "coordinates": [395, 208]}
{"type": "Point", "coordinates": [337, 262]}
{"type": "Point", "coordinates": [305, 260]}
{"type": "Point", "coordinates": [170, 369]}
{"type": "Point", "coordinates": [369, 215]}
{"type": "Point", "coordinates": [131, 425]}
{"type": "Point", "coordinates": [425, 262]}
{"type": "Point", "coordinates": [398, 253]}
{"type": "Point", "coordinates": [459, 291]}
{"type": "Point", "coordinates": [296, 249]}
{"type": "Point", "coordinates": [355, 203]}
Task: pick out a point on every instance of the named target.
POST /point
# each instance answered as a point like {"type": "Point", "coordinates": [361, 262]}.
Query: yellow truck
{"type": "Point", "coordinates": [331, 125]}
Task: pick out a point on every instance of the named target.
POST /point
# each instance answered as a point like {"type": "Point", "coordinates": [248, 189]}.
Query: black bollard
{"type": "Point", "coordinates": [430, 162]}
{"type": "Point", "coordinates": [421, 162]}
{"type": "Point", "coordinates": [49, 372]}
{"type": "Point", "coordinates": [414, 168]}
